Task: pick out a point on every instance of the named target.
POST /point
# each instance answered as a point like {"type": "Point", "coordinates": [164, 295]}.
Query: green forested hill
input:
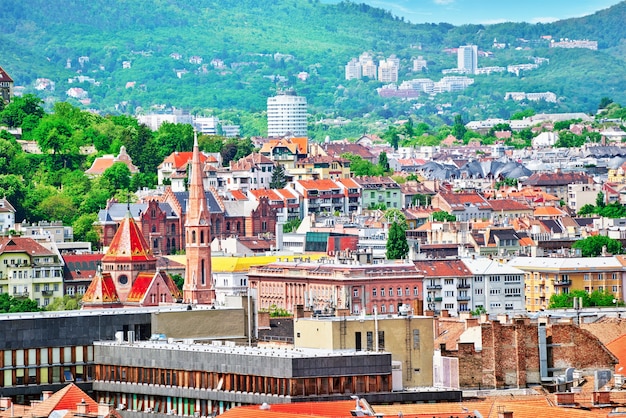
{"type": "Point", "coordinates": [38, 38]}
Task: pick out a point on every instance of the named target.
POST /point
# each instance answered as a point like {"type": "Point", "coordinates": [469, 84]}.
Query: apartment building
{"type": "Point", "coordinates": [286, 114]}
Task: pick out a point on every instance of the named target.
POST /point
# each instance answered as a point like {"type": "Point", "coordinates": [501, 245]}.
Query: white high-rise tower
{"type": "Point", "coordinates": [286, 113]}
{"type": "Point", "coordinates": [468, 58]}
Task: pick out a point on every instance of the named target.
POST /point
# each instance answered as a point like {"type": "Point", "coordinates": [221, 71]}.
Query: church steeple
{"type": "Point", "coordinates": [198, 286]}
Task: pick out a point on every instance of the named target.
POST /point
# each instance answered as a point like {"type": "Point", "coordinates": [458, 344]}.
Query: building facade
{"type": "Point", "coordinates": [286, 113]}
{"type": "Point", "coordinates": [467, 58]}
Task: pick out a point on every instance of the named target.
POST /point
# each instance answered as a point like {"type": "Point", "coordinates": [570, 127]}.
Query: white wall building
{"type": "Point", "coordinates": [497, 287]}
{"type": "Point", "coordinates": [286, 113]}
{"type": "Point", "coordinates": [467, 58]}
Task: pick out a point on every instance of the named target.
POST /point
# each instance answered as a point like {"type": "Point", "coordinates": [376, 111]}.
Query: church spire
{"type": "Point", "coordinates": [198, 286]}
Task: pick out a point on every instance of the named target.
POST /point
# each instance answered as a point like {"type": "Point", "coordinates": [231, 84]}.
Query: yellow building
{"type": "Point", "coordinates": [545, 276]}
{"type": "Point", "coordinates": [618, 175]}
{"type": "Point", "coordinates": [408, 338]}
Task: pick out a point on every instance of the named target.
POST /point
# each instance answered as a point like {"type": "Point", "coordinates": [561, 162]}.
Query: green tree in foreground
{"type": "Point", "coordinates": [278, 180]}
{"type": "Point", "coordinates": [397, 246]}
{"type": "Point", "coordinates": [441, 216]}
{"type": "Point", "coordinates": [9, 304]}
{"type": "Point", "coordinates": [592, 246]}
{"type": "Point", "coordinates": [292, 225]}
{"type": "Point", "coordinates": [65, 303]}
{"type": "Point", "coordinates": [595, 298]}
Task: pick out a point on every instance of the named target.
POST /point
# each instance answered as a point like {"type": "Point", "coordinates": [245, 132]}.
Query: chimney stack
{"type": "Point", "coordinates": [46, 394]}
{"type": "Point", "coordinates": [82, 408]}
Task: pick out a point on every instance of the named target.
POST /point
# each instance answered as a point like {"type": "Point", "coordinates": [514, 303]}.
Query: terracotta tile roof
{"type": "Point", "coordinates": [557, 179]}
{"type": "Point", "coordinates": [65, 399]}
{"type": "Point", "coordinates": [349, 183]}
{"type": "Point", "coordinates": [101, 290]}
{"type": "Point", "coordinates": [457, 201]}
{"type": "Point", "coordinates": [449, 333]}
{"type": "Point", "coordinates": [508, 205]}
{"type": "Point", "coordinates": [250, 161]}
{"type": "Point", "coordinates": [238, 195]}
{"type": "Point", "coordinates": [356, 149]}
{"type": "Point", "coordinates": [323, 184]}
{"type": "Point", "coordinates": [80, 266]}
{"type": "Point", "coordinates": [181, 159]}
{"type": "Point", "coordinates": [548, 211]}
{"type": "Point", "coordinates": [140, 287]}
{"type": "Point", "coordinates": [23, 245]}
{"type": "Point", "coordinates": [128, 244]}
{"type": "Point", "coordinates": [287, 194]}
{"type": "Point", "coordinates": [618, 348]}
{"type": "Point", "coordinates": [442, 268]}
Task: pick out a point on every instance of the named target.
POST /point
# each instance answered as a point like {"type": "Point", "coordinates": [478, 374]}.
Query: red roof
{"type": "Point", "coordinates": [128, 244]}
{"type": "Point", "coordinates": [80, 266]}
{"type": "Point", "coordinates": [101, 290]}
{"type": "Point", "coordinates": [508, 205]}
{"type": "Point", "coordinates": [324, 184]}
{"type": "Point", "coordinates": [442, 268]}
{"type": "Point", "coordinates": [180, 159]}
{"type": "Point", "coordinates": [618, 348]}
{"type": "Point", "coordinates": [140, 287]}
{"type": "Point", "coordinates": [238, 195]}
{"type": "Point", "coordinates": [23, 245]}
{"type": "Point", "coordinates": [4, 76]}
{"type": "Point", "coordinates": [65, 399]}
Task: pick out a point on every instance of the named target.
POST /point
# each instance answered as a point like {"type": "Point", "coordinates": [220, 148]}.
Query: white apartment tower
{"type": "Point", "coordinates": [387, 71]}
{"type": "Point", "coordinates": [353, 70]}
{"type": "Point", "coordinates": [368, 68]}
{"type": "Point", "coordinates": [467, 60]}
{"type": "Point", "coordinates": [286, 113]}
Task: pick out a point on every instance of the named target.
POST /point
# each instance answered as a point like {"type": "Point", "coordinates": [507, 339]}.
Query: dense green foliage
{"type": "Point", "coordinates": [262, 47]}
{"type": "Point", "coordinates": [441, 216]}
{"type": "Point", "coordinates": [613, 210]}
{"type": "Point", "coordinates": [397, 246]}
{"type": "Point", "coordinates": [593, 246]}
{"type": "Point", "coordinates": [9, 304]}
{"type": "Point", "coordinates": [65, 303]}
{"type": "Point", "coordinates": [595, 298]}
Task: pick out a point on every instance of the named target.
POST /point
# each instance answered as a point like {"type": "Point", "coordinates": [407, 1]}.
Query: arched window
{"type": "Point", "coordinates": [153, 228]}
{"type": "Point", "coordinates": [193, 237]}
{"type": "Point", "coordinates": [174, 244]}
{"type": "Point", "coordinates": [227, 226]}
{"type": "Point", "coordinates": [155, 244]}
{"type": "Point", "coordinates": [203, 275]}
{"type": "Point", "coordinates": [201, 237]}
{"type": "Point", "coordinates": [173, 228]}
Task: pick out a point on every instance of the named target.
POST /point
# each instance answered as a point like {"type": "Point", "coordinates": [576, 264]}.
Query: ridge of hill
{"type": "Point", "coordinates": [262, 47]}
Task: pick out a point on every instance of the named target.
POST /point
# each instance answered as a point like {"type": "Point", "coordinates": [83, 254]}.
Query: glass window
{"type": "Point", "coordinates": [8, 358]}
{"type": "Point", "coordinates": [8, 378]}
{"type": "Point", "coordinates": [43, 356]}
{"type": "Point", "coordinates": [56, 356]}
{"type": "Point", "coordinates": [79, 354]}
{"type": "Point", "coordinates": [19, 357]}
{"type": "Point", "coordinates": [32, 357]}
{"type": "Point", "coordinates": [67, 355]}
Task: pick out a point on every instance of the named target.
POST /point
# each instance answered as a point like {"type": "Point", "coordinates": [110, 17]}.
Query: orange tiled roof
{"type": "Point", "coordinates": [23, 245]}
{"type": "Point", "coordinates": [181, 159]}
{"type": "Point", "coordinates": [323, 184]}
{"type": "Point", "coordinates": [141, 285]}
{"type": "Point", "coordinates": [269, 193]}
{"type": "Point", "coordinates": [65, 399]}
{"type": "Point", "coordinates": [101, 290]}
{"type": "Point", "coordinates": [442, 268]}
{"type": "Point", "coordinates": [618, 348]}
{"type": "Point", "coordinates": [548, 211]}
{"type": "Point", "coordinates": [128, 244]}
{"type": "Point", "coordinates": [507, 205]}
{"type": "Point", "coordinates": [238, 195]}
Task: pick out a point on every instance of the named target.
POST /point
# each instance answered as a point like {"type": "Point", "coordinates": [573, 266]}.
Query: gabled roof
{"type": "Point", "coordinates": [211, 200]}
{"type": "Point", "coordinates": [457, 201]}
{"type": "Point", "coordinates": [80, 266]}
{"type": "Point", "coordinates": [65, 399]}
{"type": "Point", "coordinates": [101, 291]}
{"type": "Point", "coordinates": [128, 244]}
{"type": "Point", "coordinates": [557, 179]}
{"type": "Point", "coordinates": [618, 348]}
{"type": "Point", "coordinates": [507, 205]}
{"type": "Point", "coordinates": [252, 160]}
{"type": "Point", "coordinates": [181, 159]}
{"type": "Point", "coordinates": [322, 184]}
{"type": "Point", "coordinates": [238, 195]}
{"type": "Point", "coordinates": [548, 211]}
{"type": "Point", "coordinates": [5, 206]}
{"type": "Point", "coordinates": [4, 76]}
{"type": "Point", "coordinates": [145, 282]}
{"type": "Point", "coordinates": [23, 245]}
{"type": "Point", "coordinates": [349, 183]}
{"type": "Point", "coordinates": [442, 268]}
{"type": "Point", "coordinates": [356, 149]}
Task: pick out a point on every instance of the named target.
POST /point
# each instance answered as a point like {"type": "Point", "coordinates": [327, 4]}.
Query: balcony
{"type": "Point", "coordinates": [20, 295]}
{"type": "Point", "coordinates": [47, 292]}
{"type": "Point", "coordinates": [562, 282]}
{"type": "Point", "coordinates": [433, 287]}
{"type": "Point", "coordinates": [463, 286]}
{"type": "Point", "coordinates": [463, 298]}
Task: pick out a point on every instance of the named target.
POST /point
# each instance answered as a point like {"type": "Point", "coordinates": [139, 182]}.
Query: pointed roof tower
{"type": "Point", "coordinates": [101, 292]}
{"type": "Point", "coordinates": [198, 287]}
{"type": "Point", "coordinates": [128, 254]}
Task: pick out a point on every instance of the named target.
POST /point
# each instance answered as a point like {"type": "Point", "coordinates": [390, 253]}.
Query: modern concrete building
{"type": "Point", "coordinates": [408, 338]}
{"type": "Point", "coordinates": [467, 58]}
{"type": "Point", "coordinates": [286, 114]}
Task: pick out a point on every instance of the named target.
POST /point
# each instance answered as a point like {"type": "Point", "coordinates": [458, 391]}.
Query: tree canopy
{"type": "Point", "coordinates": [397, 245]}
{"type": "Point", "coordinates": [594, 245]}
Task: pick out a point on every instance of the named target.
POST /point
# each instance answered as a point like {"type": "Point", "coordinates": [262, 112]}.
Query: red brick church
{"type": "Point", "coordinates": [129, 276]}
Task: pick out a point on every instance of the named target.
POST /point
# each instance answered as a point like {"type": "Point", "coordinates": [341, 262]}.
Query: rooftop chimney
{"type": "Point", "coordinates": [5, 402]}
{"type": "Point", "coordinates": [46, 394]}
{"type": "Point", "coordinates": [103, 409]}
{"type": "Point", "coordinates": [82, 407]}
